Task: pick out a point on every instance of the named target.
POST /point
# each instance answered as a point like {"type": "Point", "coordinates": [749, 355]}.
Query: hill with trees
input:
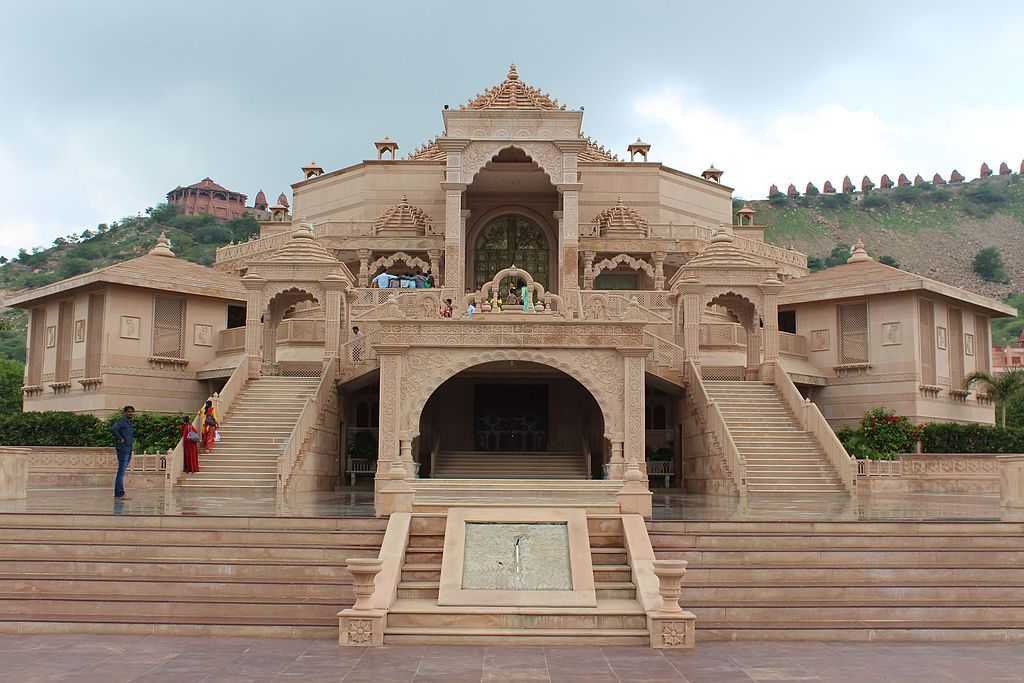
{"type": "Point", "coordinates": [970, 235]}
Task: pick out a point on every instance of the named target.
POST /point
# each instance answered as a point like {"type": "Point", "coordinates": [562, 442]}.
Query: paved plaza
{"type": "Point", "coordinates": [667, 505]}
{"type": "Point", "coordinates": [114, 659]}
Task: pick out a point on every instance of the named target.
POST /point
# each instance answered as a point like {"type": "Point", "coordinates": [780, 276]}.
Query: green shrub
{"type": "Point", "coordinates": [839, 255]}
{"type": "Point", "coordinates": [153, 432]}
{"type": "Point", "coordinates": [874, 201]}
{"type": "Point", "coordinates": [988, 263]}
{"type": "Point", "coordinates": [778, 199]}
{"type": "Point", "coordinates": [888, 261]}
{"type": "Point", "coordinates": [835, 201]}
{"type": "Point", "coordinates": [887, 433]}
{"type": "Point", "coordinates": [951, 437]}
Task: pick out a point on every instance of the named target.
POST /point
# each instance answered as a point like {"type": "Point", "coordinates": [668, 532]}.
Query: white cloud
{"type": "Point", "coordinates": [827, 142]}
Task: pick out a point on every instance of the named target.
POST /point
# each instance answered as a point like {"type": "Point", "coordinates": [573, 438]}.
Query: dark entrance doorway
{"type": "Point", "coordinates": [510, 417]}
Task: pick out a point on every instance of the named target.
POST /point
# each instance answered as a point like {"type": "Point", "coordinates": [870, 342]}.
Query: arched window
{"type": "Point", "coordinates": [507, 240]}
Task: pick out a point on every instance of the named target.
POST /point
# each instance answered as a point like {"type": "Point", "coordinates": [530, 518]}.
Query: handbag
{"type": "Point", "coordinates": [193, 436]}
{"type": "Point", "coordinates": [216, 436]}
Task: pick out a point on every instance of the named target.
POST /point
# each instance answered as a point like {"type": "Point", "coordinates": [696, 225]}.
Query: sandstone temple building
{"type": "Point", "coordinates": [662, 334]}
{"type": "Point", "coordinates": [512, 326]}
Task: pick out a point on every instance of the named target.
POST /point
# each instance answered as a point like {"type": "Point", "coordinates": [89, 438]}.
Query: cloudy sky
{"type": "Point", "coordinates": [108, 105]}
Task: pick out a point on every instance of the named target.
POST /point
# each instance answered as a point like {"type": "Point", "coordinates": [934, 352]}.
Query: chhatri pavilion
{"type": "Point", "coordinates": [662, 342]}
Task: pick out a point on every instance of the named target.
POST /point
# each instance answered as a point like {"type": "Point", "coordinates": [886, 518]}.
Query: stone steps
{"type": "Point", "coordinates": [253, 436]}
{"type": "Point", "coordinates": [243, 576]}
{"type": "Point", "coordinates": [416, 617]}
{"type": "Point", "coordinates": [850, 580]}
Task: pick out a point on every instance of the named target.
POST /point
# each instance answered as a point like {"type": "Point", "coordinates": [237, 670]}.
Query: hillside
{"type": "Point", "coordinates": [195, 238]}
{"type": "Point", "coordinates": [934, 231]}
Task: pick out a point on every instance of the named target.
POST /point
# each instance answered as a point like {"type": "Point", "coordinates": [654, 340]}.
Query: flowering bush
{"type": "Point", "coordinates": [881, 436]}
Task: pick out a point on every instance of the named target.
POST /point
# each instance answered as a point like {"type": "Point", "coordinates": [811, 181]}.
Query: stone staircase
{"type": "Point", "coordinates": [780, 458]}
{"type": "Point", "coordinates": [135, 574]}
{"type": "Point", "coordinates": [437, 495]}
{"type": "Point", "coordinates": [510, 465]}
{"type": "Point", "coordinates": [850, 580]}
{"type": "Point", "coordinates": [416, 618]}
{"type": "Point", "coordinates": [253, 435]}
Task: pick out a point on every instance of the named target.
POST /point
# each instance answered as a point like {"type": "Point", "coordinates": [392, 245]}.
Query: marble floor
{"type": "Point", "coordinates": [139, 659]}
{"type": "Point", "coordinates": [668, 505]}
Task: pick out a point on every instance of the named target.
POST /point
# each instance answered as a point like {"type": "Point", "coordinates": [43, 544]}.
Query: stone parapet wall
{"type": "Point", "coordinates": [77, 467]}
{"type": "Point", "coordinates": [939, 473]}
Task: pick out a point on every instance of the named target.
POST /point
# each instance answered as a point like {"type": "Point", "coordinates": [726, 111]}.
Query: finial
{"type": "Point", "coordinates": [163, 246]}
{"type": "Point", "coordinates": [513, 74]}
{"type": "Point", "coordinates": [860, 254]}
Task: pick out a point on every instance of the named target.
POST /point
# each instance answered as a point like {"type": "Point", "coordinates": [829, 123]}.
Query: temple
{"type": "Point", "coordinates": [614, 325]}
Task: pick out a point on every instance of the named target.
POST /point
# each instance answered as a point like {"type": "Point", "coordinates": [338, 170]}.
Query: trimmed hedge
{"type": "Point", "coordinates": [153, 432]}
{"type": "Point", "coordinates": [884, 436]}
{"type": "Point", "coordinates": [950, 437]}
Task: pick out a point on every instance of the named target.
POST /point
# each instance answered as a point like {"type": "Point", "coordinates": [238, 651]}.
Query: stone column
{"type": "Point", "coordinates": [659, 270]}
{"type": "Point", "coordinates": [616, 464]}
{"type": "Point", "coordinates": [454, 238]}
{"type": "Point", "coordinates": [364, 267]}
{"type": "Point", "coordinates": [333, 301]}
{"type": "Point", "coordinates": [1011, 480]}
{"type": "Point", "coordinates": [434, 256]}
{"type": "Point", "coordinates": [253, 326]}
{"type": "Point", "coordinates": [390, 411]}
{"type": "Point", "coordinates": [633, 394]}
{"type": "Point", "coordinates": [588, 268]}
{"type": "Point", "coordinates": [692, 293]}
{"type": "Point", "coordinates": [771, 321]}
{"type": "Point", "coordinates": [569, 240]}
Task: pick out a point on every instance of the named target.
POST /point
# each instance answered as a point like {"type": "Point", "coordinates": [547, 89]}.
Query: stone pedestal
{"type": "Point", "coordinates": [671, 626]}
{"type": "Point", "coordinates": [13, 473]}
{"type": "Point", "coordinates": [1011, 480]}
{"type": "Point", "coordinates": [361, 625]}
{"type": "Point", "coordinates": [634, 498]}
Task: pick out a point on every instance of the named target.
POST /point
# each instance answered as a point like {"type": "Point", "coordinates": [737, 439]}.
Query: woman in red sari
{"type": "Point", "coordinates": [209, 427]}
{"type": "Point", "coordinates": [190, 443]}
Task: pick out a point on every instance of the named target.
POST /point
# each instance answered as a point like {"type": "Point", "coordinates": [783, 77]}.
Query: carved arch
{"type": "Point", "coordinates": [388, 261]}
{"type": "Point", "coordinates": [421, 381]}
{"type": "Point", "coordinates": [536, 289]}
{"type": "Point", "coordinates": [623, 259]}
{"type": "Point", "coordinates": [746, 308]}
{"type": "Point", "coordinates": [544, 154]}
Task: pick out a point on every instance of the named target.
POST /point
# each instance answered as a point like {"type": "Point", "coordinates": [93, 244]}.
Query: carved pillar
{"type": "Point", "coordinates": [692, 293]}
{"type": "Point", "coordinates": [616, 464]}
{"type": "Point", "coordinates": [253, 326]}
{"type": "Point", "coordinates": [389, 416]}
{"type": "Point", "coordinates": [569, 240]}
{"type": "Point", "coordinates": [588, 268]}
{"type": "Point", "coordinates": [454, 237]}
{"type": "Point", "coordinates": [633, 394]}
{"type": "Point", "coordinates": [434, 256]}
{"type": "Point", "coordinates": [659, 270]}
{"type": "Point", "coordinates": [364, 267]}
{"type": "Point", "coordinates": [334, 295]}
{"type": "Point", "coordinates": [771, 320]}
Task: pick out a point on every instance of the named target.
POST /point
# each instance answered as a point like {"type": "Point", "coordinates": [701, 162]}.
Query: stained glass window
{"type": "Point", "coordinates": [508, 240]}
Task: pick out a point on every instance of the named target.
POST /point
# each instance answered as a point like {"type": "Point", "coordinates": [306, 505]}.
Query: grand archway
{"type": "Point", "coordinates": [508, 419]}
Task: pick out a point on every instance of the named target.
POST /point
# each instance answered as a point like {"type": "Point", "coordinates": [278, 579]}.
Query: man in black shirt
{"type": "Point", "coordinates": [124, 434]}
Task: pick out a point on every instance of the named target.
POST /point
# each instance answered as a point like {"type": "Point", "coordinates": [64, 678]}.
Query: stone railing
{"type": "Point", "coordinates": [356, 355]}
{"type": "Point", "coordinates": [229, 341]}
{"type": "Point", "coordinates": [933, 473]}
{"type": "Point", "coordinates": [793, 344]}
{"type": "Point", "coordinates": [301, 331]}
{"type": "Point", "coordinates": [710, 415]}
{"type": "Point", "coordinates": [305, 423]}
{"type": "Point", "coordinates": [665, 354]}
{"type": "Point", "coordinates": [725, 335]}
{"type": "Point", "coordinates": [811, 420]}
{"type": "Point", "coordinates": [416, 304]}
{"type": "Point", "coordinates": [744, 244]}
